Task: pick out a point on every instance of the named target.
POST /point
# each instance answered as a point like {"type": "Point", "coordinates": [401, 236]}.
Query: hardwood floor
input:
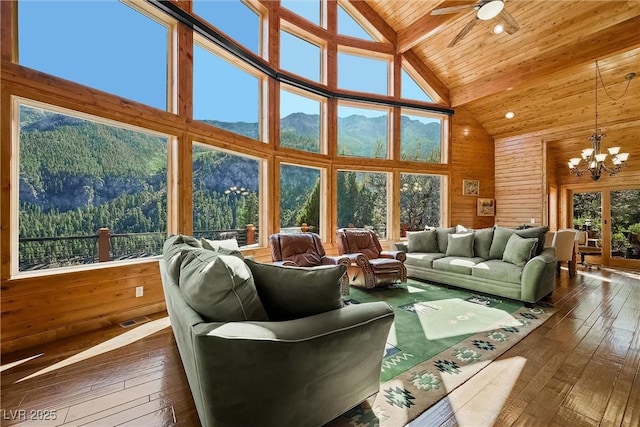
{"type": "Point", "coordinates": [580, 368]}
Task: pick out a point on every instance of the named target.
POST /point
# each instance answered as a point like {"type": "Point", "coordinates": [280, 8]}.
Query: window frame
{"type": "Point", "coordinates": [17, 101]}
{"type": "Point", "coordinates": [323, 168]}
{"type": "Point", "coordinates": [264, 199]}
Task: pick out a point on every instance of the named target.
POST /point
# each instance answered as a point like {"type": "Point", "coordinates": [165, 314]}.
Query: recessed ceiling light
{"type": "Point", "coordinates": [498, 29]}
{"type": "Point", "coordinates": [510, 115]}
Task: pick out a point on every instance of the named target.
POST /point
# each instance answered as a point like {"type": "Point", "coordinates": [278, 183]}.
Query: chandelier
{"type": "Point", "coordinates": [594, 158]}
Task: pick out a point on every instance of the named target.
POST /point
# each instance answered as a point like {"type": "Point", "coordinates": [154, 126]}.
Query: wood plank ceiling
{"type": "Point", "coordinates": [544, 73]}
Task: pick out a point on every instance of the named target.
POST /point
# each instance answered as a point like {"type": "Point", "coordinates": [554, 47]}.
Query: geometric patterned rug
{"type": "Point", "coordinates": [441, 337]}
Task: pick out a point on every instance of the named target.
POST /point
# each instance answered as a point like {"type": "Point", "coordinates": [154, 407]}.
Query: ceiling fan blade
{"type": "Point", "coordinates": [452, 9]}
{"type": "Point", "coordinates": [464, 31]}
{"type": "Point", "coordinates": [511, 24]}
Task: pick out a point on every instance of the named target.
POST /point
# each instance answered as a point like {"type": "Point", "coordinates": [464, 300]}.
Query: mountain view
{"type": "Point", "coordinates": [77, 176]}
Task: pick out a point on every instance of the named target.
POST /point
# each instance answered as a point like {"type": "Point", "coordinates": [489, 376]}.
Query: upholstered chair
{"type": "Point", "coordinates": [370, 265]}
{"type": "Point", "coordinates": [304, 250]}
{"type": "Point", "coordinates": [564, 241]}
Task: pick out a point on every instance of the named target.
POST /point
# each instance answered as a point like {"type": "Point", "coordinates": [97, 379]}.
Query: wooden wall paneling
{"type": "Point", "coordinates": [44, 308]}
{"type": "Point", "coordinates": [519, 181]}
{"type": "Point", "coordinates": [6, 153]}
{"type": "Point", "coordinates": [471, 157]}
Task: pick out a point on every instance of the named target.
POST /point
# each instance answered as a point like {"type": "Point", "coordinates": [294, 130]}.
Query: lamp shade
{"type": "Point", "coordinates": [614, 150]}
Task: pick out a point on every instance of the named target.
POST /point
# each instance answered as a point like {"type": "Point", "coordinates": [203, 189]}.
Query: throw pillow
{"type": "Point", "coordinates": [482, 242]}
{"type": "Point", "coordinates": [293, 292]}
{"type": "Point", "coordinates": [463, 229]}
{"type": "Point", "coordinates": [442, 234]}
{"type": "Point", "coordinates": [214, 245]}
{"type": "Point", "coordinates": [500, 238]}
{"type": "Point", "coordinates": [460, 245]}
{"type": "Point", "coordinates": [519, 250]}
{"type": "Point", "coordinates": [219, 287]}
{"type": "Point", "coordinates": [538, 233]}
{"type": "Point", "coordinates": [422, 241]}
{"type": "Point", "coordinates": [174, 248]}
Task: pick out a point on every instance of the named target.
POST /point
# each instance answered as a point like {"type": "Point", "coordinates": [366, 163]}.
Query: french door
{"type": "Point", "coordinates": [612, 219]}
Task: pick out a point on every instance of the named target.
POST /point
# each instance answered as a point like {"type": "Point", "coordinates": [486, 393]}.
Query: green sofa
{"type": "Point", "coordinates": [266, 345]}
{"type": "Point", "coordinates": [500, 261]}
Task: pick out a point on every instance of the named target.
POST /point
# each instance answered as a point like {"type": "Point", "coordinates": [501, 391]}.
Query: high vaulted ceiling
{"type": "Point", "coordinates": [544, 73]}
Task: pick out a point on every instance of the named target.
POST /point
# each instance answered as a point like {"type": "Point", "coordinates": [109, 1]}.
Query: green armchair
{"type": "Point", "coordinates": [301, 371]}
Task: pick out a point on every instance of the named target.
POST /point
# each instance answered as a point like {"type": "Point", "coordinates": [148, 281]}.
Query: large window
{"type": "Point", "coordinates": [410, 89]}
{"type": "Point", "coordinates": [300, 56]}
{"type": "Point", "coordinates": [231, 102]}
{"type": "Point", "coordinates": [309, 9]}
{"type": "Point", "coordinates": [352, 74]}
{"type": "Point", "coordinates": [349, 27]}
{"type": "Point", "coordinates": [235, 19]}
{"type": "Point", "coordinates": [362, 201]}
{"type": "Point", "coordinates": [79, 41]}
{"type": "Point", "coordinates": [299, 198]}
{"type": "Point", "coordinates": [420, 201]}
{"type": "Point", "coordinates": [88, 191]}
{"type": "Point", "coordinates": [363, 132]}
{"type": "Point", "coordinates": [226, 195]}
{"type": "Point", "coordinates": [300, 121]}
{"type": "Point", "coordinates": [420, 137]}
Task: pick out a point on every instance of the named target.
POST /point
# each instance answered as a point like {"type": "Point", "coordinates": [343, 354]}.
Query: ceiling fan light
{"type": "Point", "coordinates": [490, 10]}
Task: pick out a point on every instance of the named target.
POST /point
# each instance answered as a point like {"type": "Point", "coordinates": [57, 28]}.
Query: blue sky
{"type": "Point", "coordinates": [78, 41]}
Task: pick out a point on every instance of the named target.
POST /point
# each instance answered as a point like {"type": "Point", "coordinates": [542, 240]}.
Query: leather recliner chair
{"type": "Point", "coordinates": [304, 250]}
{"type": "Point", "coordinates": [370, 265]}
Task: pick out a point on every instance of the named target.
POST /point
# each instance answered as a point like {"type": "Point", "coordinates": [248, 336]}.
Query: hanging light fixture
{"type": "Point", "coordinates": [593, 157]}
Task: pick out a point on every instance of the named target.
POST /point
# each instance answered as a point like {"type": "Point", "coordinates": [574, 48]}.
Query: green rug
{"type": "Point", "coordinates": [440, 338]}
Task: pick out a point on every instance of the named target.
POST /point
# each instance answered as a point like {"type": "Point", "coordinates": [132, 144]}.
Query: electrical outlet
{"type": "Point", "coordinates": [139, 291]}
{"type": "Point", "coordinates": [533, 220]}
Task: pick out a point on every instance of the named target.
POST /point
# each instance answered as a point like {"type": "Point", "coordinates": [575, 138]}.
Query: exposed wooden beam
{"type": "Point", "coordinates": [617, 38]}
{"type": "Point", "coordinates": [426, 26]}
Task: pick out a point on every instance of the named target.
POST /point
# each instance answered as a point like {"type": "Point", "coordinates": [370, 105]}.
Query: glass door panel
{"type": "Point", "coordinates": [625, 224]}
{"type": "Point", "coordinates": [587, 217]}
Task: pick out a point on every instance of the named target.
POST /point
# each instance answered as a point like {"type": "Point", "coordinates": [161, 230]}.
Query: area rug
{"type": "Point", "coordinates": [440, 338]}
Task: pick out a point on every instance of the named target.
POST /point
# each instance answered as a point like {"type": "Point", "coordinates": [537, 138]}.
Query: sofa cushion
{"type": "Point", "coordinates": [422, 241]}
{"type": "Point", "coordinates": [424, 260]}
{"type": "Point", "coordinates": [219, 287]}
{"type": "Point", "coordinates": [293, 292]}
{"type": "Point", "coordinates": [482, 242]}
{"type": "Point", "coordinates": [497, 270]}
{"type": "Point", "coordinates": [460, 265]}
{"type": "Point", "coordinates": [442, 234]}
{"type": "Point", "coordinates": [500, 238]}
{"type": "Point", "coordinates": [460, 245]}
{"type": "Point", "coordinates": [538, 233]}
{"type": "Point", "coordinates": [519, 250]}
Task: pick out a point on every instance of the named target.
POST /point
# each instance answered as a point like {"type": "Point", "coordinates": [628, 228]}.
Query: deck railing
{"type": "Point", "coordinates": [39, 253]}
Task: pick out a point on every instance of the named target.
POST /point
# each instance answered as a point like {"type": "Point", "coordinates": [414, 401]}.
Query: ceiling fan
{"type": "Point", "coordinates": [485, 10]}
